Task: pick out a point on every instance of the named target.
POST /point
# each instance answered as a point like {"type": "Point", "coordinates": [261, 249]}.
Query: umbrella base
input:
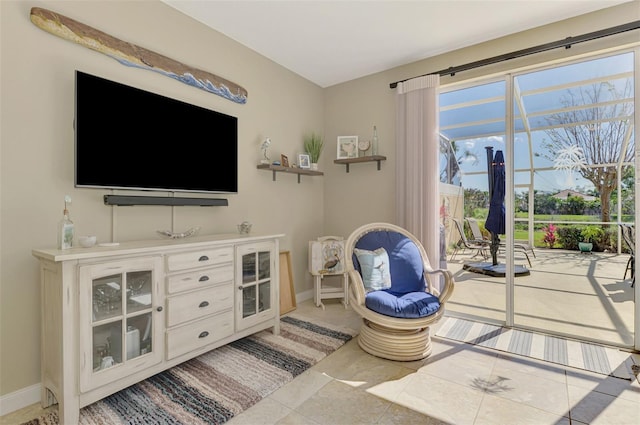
{"type": "Point", "coordinates": [499, 270]}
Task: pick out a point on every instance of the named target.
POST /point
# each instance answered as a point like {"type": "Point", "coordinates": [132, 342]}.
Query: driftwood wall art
{"type": "Point", "coordinates": [131, 55]}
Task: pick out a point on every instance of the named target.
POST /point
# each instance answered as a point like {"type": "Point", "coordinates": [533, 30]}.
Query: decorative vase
{"type": "Point", "coordinates": [374, 142]}
{"type": "Point", "coordinates": [314, 166]}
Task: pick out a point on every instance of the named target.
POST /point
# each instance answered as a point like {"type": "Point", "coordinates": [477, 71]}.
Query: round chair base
{"type": "Point", "coordinates": [394, 344]}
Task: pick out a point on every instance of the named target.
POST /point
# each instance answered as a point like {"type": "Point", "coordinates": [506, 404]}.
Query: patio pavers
{"type": "Point", "coordinates": [566, 293]}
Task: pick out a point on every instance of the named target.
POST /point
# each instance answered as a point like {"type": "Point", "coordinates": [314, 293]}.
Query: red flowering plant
{"type": "Point", "coordinates": [549, 235]}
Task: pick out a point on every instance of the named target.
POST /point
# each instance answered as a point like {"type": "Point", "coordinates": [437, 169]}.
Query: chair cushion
{"type": "Point", "coordinates": [411, 305]}
{"type": "Point", "coordinates": [405, 262]}
{"type": "Point", "coordinates": [374, 268]}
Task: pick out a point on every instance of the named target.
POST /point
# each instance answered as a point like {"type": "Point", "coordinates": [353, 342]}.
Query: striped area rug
{"type": "Point", "coordinates": [220, 384]}
{"type": "Point", "coordinates": [587, 356]}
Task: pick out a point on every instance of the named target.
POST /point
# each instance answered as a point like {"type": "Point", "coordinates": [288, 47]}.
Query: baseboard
{"type": "Point", "coordinates": [19, 399]}
{"type": "Point", "coordinates": [303, 296]}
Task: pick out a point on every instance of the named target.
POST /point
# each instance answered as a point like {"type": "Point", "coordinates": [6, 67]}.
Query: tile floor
{"type": "Point", "coordinates": [457, 384]}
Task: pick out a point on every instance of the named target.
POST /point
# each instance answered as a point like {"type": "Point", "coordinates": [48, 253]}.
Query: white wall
{"type": "Point", "coordinates": [37, 77]}
{"type": "Point", "coordinates": [352, 108]}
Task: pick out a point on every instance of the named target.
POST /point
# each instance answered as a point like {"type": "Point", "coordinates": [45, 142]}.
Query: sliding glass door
{"type": "Point", "coordinates": [568, 140]}
{"type": "Point", "coordinates": [574, 149]}
{"type": "Point", "coordinates": [472, 130]}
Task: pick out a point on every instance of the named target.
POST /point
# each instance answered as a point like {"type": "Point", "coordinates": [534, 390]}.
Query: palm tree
{"type": "Point", "coordinates": [454, 158]}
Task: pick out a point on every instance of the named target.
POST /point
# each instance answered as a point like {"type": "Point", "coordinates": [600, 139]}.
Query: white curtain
{"type": "Point", "coordinates": [417, 176]}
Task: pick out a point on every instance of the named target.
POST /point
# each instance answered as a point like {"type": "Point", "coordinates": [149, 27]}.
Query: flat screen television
{"type": "Point", "coordinates": [128, 138]}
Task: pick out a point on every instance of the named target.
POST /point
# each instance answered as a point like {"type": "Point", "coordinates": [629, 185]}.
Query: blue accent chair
{"type": "Point", "coordinates": [395, 291]}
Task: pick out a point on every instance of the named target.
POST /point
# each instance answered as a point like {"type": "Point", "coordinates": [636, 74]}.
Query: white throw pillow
{"type": "Point", "coordinates": [374, 268]}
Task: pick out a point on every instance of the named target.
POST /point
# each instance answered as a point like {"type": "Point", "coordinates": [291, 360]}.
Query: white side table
{"type": "Point", "coordinates": [323, 292]}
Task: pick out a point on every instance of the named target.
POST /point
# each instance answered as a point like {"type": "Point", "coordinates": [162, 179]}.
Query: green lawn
{"type": "Point", "coordinates": [559, 218]}
{"type": "Point", "coordinates": [521, 232]}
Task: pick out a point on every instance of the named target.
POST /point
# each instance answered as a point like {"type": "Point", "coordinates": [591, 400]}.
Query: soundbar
{"type": "Point", "coordinates": [129, 200]}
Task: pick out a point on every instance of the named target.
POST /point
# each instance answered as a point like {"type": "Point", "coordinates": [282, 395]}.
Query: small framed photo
{"type": "Point", "coordinates": [304, 161]}
{"type": "Point", "coordinates": [347, 147]}
{"type": "Point", "coordinates": [284, 160]}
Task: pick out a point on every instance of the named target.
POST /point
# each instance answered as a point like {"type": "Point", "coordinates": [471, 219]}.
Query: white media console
{"type": "Point", "coordinates": [113, 316]}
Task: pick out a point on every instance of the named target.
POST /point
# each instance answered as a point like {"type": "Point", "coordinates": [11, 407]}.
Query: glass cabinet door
{"type": "Point", "coordinates": [126, 333]}
{"type": "Point", "coordinates": [121, 323]}
{"type": "Point", "coordinates": [256, 263]}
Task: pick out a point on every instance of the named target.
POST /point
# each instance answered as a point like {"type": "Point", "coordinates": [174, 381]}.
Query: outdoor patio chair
{"type": "Point", "coordinates": [395, 290]}
{"type": "Point", "coordinates": [519, 246]}
{"type": "Point", "coordinates": [629, 237]}
{"type": "Point", "coordinates": [481, 246]}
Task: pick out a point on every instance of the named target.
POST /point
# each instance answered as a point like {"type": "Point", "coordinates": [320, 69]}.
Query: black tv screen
{"type": "Point", "coordinates": [128, 138]}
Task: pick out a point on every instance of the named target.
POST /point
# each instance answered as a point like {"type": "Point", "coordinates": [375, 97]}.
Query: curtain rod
{"type": "Point", "coordinates": [566, 43]}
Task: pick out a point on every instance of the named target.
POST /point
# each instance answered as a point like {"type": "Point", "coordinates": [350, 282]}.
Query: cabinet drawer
{"type": "Point", "coordinates": [200, 279]}
{"type": "Point", "coordinates": [189, 337]}
{"type": "Point", "coordinates": [201, 258]}
{"type": "Point", "coordinates": [193, 305]}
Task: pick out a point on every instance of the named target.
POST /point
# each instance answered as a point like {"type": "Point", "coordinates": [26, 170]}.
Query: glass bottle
{"type": "Point", "coordinates": [65, 231]}
{"type": "Point", "coordinates": [374, 142]}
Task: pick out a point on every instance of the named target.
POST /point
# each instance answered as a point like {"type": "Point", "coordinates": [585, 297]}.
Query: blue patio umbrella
{"type": "Point", "coordinates": [496, 219]}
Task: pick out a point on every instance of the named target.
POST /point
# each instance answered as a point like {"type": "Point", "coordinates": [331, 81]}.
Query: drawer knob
{"type": "Point", "coordinates": [203, 278]}
{"type": "Point", "coordinates": [203, 258]}
{"type": "Point", "coordinates": [159, 308]}
{"type": "Point", "coordinates": [203, 334]}
{"type": "Point", "coordinates": [203, 304]}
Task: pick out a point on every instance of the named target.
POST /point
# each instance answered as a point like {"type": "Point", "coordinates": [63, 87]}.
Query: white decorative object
{"type": "Point", "coordinates": [132, 342]}
{"type": "Point", "coordinates": [265, 146]}
{"type": "Point", "coordinates": [186, 234]}
{"type": "Point", "coordinates": [87, 241]}
{"type": "Point", "coordinates": [107, 362]}
{"type": "Point", "coordinates": [347, 147]}
{"type": "Point", "coordinates": [326, 255]}
{"type": "Point", "coordinates": [244, 228]}
{"type": "Point", "coordinates": [326, 258]}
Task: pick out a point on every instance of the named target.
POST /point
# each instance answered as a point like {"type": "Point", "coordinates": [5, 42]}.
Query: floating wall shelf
{"type": "Point", "coordinates": [280, 169]}
{"type": "Point", "coordinates": [371, 158]}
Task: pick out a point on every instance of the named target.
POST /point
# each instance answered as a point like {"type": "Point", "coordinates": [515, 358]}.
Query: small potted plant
{"type": "Point", "coordinates": [313, 145]}
{"type": "Point", "coordinates": [589, 234]}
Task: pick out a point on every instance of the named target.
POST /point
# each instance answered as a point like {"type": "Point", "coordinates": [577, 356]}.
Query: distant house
{"type": "Point", "coordinates": [564, 194]}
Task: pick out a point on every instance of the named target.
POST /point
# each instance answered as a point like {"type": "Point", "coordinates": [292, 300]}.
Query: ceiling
{"type": "Point", "coordinates": [330, 42]}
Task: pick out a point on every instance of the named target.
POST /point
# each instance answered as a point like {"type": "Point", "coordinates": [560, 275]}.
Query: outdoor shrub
{"type": "Point", "coordinates": [594, 234]}
{"type": "Point", "coordinates": [569, 237]}
{"type": "Point", "coordinates": [549, 235]}
{"type": "Point", "coordinates": [591, 233]}
{"type": "Point", "coordinates": [609, 239]}
{"type": "Point", "coordinates": [574, 205]}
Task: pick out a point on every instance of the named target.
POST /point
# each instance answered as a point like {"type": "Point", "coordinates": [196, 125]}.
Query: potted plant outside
{"type": "Point", "coordinates": [313, 145]}
{"type": "Point", "coordinates": [589, 235]}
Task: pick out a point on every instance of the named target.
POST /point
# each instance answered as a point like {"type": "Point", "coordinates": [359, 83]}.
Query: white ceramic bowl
{"type": "Point", "coordinates": [87, 241]}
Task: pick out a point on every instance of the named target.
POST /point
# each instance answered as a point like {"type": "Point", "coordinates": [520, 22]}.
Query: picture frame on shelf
{"type": "Point", "coordinates": [304, 161]}
{"type": "Point", "coordinates": [347, 147]}
{"type": "Point", "coordinates": [284, 160]}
